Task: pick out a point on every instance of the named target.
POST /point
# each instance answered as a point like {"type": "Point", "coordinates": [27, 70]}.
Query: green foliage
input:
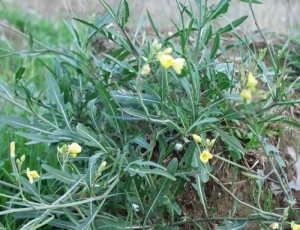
{"type": "Point", "coordinates": [133, 110]}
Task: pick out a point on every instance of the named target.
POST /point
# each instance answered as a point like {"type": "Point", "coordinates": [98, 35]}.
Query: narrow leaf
{"type": "Point", "coordinates": [56, 97]}
{"type": "Point", "coordinates": [232, 25]}
{"type": "Point", "coordinates": [60, 175]}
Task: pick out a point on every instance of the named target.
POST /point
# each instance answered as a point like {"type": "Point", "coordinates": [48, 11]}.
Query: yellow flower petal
{"type": "Point", "coordinates": [178, 64]}
{"type": "Point", "coordinates": [74, 149]}
{"type": "Point", "coordinates": [197, 138]}
{"type": "Point", "coordinates": [168, 51]}
{"type": "Point", "coordinates": [165, 60]}
{"type": "Point", "coordinates": [251, 81]}
{"type": "Point", "coordinates": [295, 226]}
{"type": "Point", "coordinates": [247, 95]}
{"type": "Point", "coordinates": [205, 156]}
{"type": "Point", "coordinates": [32, 175]}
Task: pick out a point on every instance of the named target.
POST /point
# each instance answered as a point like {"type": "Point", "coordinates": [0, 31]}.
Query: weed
{"type": "Point", "coordinates": [129, 130]}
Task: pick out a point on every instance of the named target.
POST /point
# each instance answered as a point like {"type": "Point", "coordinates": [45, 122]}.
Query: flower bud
{"type": "Point", "coordinates": [251, 81]}
{"type": "Point", "coordinates": [156, 46]}
{"type": "Point", "coordinates": [22, 158]}
{"type": "Point", "coordinates": [12, 149]}
{"type": "Point", "coordinates": [146, 69]}
{"type": "Point", "coordinates": [197, 138]}
{"type": "Point", "coordinates": [247, 95]}
{"type": "Point", "coordinates": [178, 147]}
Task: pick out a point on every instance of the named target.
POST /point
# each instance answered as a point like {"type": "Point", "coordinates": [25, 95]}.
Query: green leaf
{"type": "Point", "coordinates": [233, 114]}
{"type": "Point", "coordinates": [109, 10]}
{"type": "Point", "coordinates": [89, 136]}
{"type": "Point", "coordinates": [187, 88]}
{"type": "Point", "coordinates": [215, 46]}
{"type": "Point", "coordinates": [92, 169]}
{"type": "Point", "coordinates": [141, 168]}
{"type": "Point", "coordinates": [237, 225]}
{"type": "Point", "coordinates": [20, 122]}
{"type": "Point", "coordinates": [187, 158]}
{"type": "Point", "coordinates": [125, 14]}
{"type": "Point", "coordinates": [201, 177]}
{"type": "Point", "coordinates": [123, 64]}
{"type": "Point", "coordinates": [73, 31]}
{"type": "Point", "coordinates": [252, 1]}
{"type": "Point", "coordinates": [110, 106]}
{"type": "Point", "coordinates": [207, 35]}
{"type": "Point", "coordinates": [292, 123]}
{"type": "Point", "coordinates": [5, 90]}
{"type": "Point", "coordinates": [200, 121]}
{"type": "Point", "coordinates": [233, 144]}
{"type": "Point", "coordinates": [134, 100]}
{"type": "Point", "coordinates": [88, 221]}
{"type": "Point", "coordinates": [232, 25]}
{"type": "Point", "coordinates": [30, 188]}
{"type": "Point", "coordinates": [38, 138]}
{"type": "Point", "coordinates": [144, 171]}
{"type": "Point", "coordinates": [60, 175]}
{"type": "Point", "coordinates": [56, 97]}
{"type": "Point", "coordinates": [111, 224]}
{"type": "Point", "coordinates": [223, 81]}
{"type": "Point", "coordinates": [164, 186]}
{"type": "Point", "coordinates": [217, 10]}
{"type": "Point", "coordinates": [19, 73]}
{"type": "Point", "coordinates": [61, 224]}
{"type": "Point", "coordinates": [141, 142]}
{"type": "Point", "coordinates": [153, 24]}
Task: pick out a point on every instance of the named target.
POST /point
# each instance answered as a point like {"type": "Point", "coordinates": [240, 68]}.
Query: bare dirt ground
{"type": "Point", "coordinates": [281, 16]}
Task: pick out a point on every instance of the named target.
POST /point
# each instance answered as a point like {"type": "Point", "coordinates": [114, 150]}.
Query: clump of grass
{"type": "Point", "coordinates": [128, 129]}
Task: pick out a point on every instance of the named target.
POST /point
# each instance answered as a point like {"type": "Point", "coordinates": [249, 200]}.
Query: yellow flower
{"type": "Point", "coordinates": [165, 60]}
{"type": "Point", "coordinates": [146, 69]}
{"type": "Point", "coordinates": [178, 64]}
{"type": "Point", "coordinates": [247, 95]}
{"type": "Point", "coordinates": [32, 175]}
{"type": "Point", "coordinates": [197, 138]}
{"type": "Point", "coordinates": [74, 149]}
{"type": "Point", "coordinates": [274, 226]}
{"type": "Point", "coordinates": [295, 226]}
{"type": "Point", "coordinates": [205, 156]}
{"type": "Point", "coordinates": [12, 149]}
{"type": "Point", "coordinates": [251, 81]}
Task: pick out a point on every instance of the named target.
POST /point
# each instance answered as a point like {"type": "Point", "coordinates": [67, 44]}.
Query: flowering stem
{"type": "Point", "coordinates": [164, 84]}
{"type": "Point", "coordinates": [230, 162]}
{"type": "Point", "coordinates": [65, 205]}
